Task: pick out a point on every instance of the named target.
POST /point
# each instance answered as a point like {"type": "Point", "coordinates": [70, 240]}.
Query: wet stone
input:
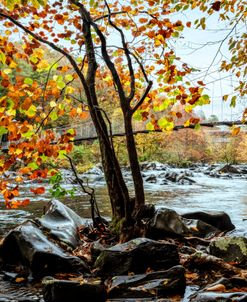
{"type": "Point", "coordinates": [231, 249]}
{"type": "Point", "coordinates": [217, 219]}
{"type": "Point", "coordinates": [65, 291]}
{"type": "Point", "coordinates": [62, 223]}
{"type": "Point", "coordinates": [200, 228]}
{"type": "Point", "coordinates": [166, 222]}
{"type": "Point", "coordinates": [26, 245]}
{"type": "Point", "coordinates": [157, 284]}
{"type": "Point", "coordinates": [136, 256]}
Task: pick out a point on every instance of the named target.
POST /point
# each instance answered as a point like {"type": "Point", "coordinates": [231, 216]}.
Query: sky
{"type": "Point", "coordinates": [192, 49]}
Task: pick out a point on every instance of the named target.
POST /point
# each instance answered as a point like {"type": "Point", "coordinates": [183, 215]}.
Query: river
{"type": "Point", "coordinates": [225, 193]}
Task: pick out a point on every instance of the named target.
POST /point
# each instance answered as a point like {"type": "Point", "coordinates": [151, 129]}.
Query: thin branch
{"type": "Point", "coordinates": [140, 102]}
{"type": "Point", "coordinates": [91, 193]}
{"type": "Point", "coordinates": [50, 111]}
{"type": "Point", "coordinates": [107, 15]}
{"type": "Point", "coordinates": [127, 54]}
{"type": "Point", "coordinates": [222, 42]}
{"type": "Point", "coordinates": [48, 76]}
{"type": "Point", "coordinates": [104, 52]}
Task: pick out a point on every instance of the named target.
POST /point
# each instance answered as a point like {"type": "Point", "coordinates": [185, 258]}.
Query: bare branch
{"type": "Point", "coordinates": [107, 15]}
{"type": "Point", "coordinates": [90, 192]}
{"type": "Point", "coordinates": [105, 54]}
{"type": "Point", "coordinates": [139, 103]}
{"type": "Point", "coordinates": [127, 54]}
{"type": "Point", "coordinates": [222, 42]}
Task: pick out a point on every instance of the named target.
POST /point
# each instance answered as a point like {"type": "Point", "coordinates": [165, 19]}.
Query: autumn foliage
{"type": "Point", "coordinates": [119, 45]}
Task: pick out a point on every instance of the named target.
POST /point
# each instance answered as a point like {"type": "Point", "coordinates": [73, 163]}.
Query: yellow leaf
{"type": "Point", "coordinates": [187, 123]}
{"type": "Point", "coordinates": [53, 104]}
{"type": "Point", "coordinates": [235, 131]}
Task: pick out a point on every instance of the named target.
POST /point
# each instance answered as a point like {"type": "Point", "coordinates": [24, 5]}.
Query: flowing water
{"type": "Point", "coordinates": [228, 193]}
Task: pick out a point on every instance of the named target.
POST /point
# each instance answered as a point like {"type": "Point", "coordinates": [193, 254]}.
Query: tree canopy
{"type": "Point", "coordinates": [117, 44]}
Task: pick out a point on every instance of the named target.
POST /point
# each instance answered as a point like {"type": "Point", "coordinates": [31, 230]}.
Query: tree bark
{"type": "Point", "coordinates": [134, 162]}
{"type": "Point", "coordinates": [118, 192]}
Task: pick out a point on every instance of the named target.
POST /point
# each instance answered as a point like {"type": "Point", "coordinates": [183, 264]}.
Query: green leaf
{"type": "Point", "coordinates": [150, 126]}
{"type": "Point", "coordinates": [233, 101]}
{"type": "Point", "coordinates": [2, 58]}
{"type": "Point", "coordinates": [61, 84]}
{"type": "Point", "coordinates": [3, 130]}
{"type": "Point", "coordinates": [197, 127]}
{"type": "Point", "coordinates": [53, 116]}
{"type": "Point", "coordinates": [31, 111]}
{"type": "Point", "coordinates": [33, 165]}
{"type": "Point", "coordinates": [28, 81]}
{"type": "Point", "coordinates": [62, 154]}
{"type": "Point", "coordinates": [69, 77]}
{"type": "Point", "coordinates": [27, 134]}
{"type": "Point", "coordinates": [71, 131]}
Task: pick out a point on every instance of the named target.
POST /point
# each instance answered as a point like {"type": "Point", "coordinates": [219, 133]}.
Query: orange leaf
{"type": "Point", "coordinates": [235, 131]}
{"type": "Point", "coordinates": [39, 190]}
{"type": "Point", "coordinates": [19, 203]}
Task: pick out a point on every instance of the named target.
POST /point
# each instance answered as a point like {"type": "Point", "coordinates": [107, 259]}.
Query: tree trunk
{"type": "Point", "coordinates": [118, 192]}
{"type": "Point", "coordinates": [134, 162]}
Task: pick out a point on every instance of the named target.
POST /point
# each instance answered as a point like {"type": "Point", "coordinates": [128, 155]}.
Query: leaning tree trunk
{"type": "Point", "coordinates": [118, 192]}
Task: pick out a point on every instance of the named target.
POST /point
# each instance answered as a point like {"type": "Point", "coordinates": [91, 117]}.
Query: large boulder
{"type": "Point", "coordinates": [219, 219]}
{"type": "Point", "coordinates": [63, 291]}
{"type": "Point", "coordinates": [62, 223]}
{"type": "Point", "coordinates": [152, 285]}
{"type": "Point", "coordinates": [166, 222]}
{"type": "Point", "coordinates": [232, 249]}
{"type": "Point", "coordinates": [28, 246]}
{"type": "Point", "coordinates": [137, 256]}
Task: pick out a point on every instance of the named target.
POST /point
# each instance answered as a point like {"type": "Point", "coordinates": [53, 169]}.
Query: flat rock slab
{"type": "Point", "coordinates": [157, 284]}
{"type": "Point", "coordinates": [66, 291]}
{"type": "Point", "coordinates": [231, 249]}
{"type": "Point", "coordinates": [28, 246]}
{"type": "Point", "coordinates": [137, 256]}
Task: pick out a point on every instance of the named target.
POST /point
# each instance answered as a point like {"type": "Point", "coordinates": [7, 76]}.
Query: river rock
{"type": "Point", "coordinates": [218, 297]}
{"type": "Point", "coordinates": [200, 228]}
{"type": "Point", "coordinates": [218, 219]}
{"type": "Point", "coordinates": [152, 285]}
{"type": "Point", "coordinates": [152, 179]}
{"type": "Point", "coordinates": [166, 222]}
{"type": "Point", "coordinates": [150, 166]}
{"type": "Point", "coordinates": [64, 291]}
{"type": "Point", "coordinates": [26, 245]}
{"type": "Point", "coordinates": [229, 169]}
{"type": "Point", "coordinates": [62, 223]}
{"type": "Point", "coordinates": [136, 256]}
{"type": "Point", "coordinates": [97, 170]}
{"type": "Point", "coordinates": [232, 249]}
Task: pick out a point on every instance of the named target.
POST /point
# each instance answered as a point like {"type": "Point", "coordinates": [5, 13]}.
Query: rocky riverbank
{"type": "Point", "coordinates": [188, 251]}
{"type": "Point", "coordinates": [65, 256]}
